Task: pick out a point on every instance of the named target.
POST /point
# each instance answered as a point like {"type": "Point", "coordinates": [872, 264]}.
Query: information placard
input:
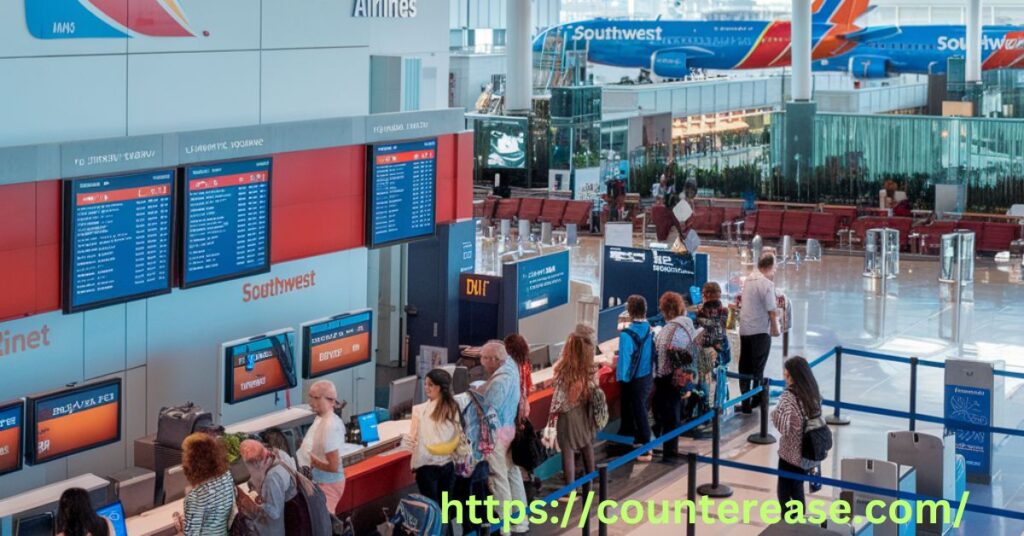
{"type": "Point", "coordinates": [401, 190]}
{"type": "Point", "coordinates": [258, 366]}
{"type": "Point", "coordinates": [227, 221]}
{"type": "Point", "coordinates": [336, 343]}
{"type": "Point", "coordinates": [972, 405]}
{"type": "Point", "coordinates": [73, 420]}
{"type": "Point", "coordinates": [117, 238]}
{"type": "Point", "coordinates": [543, 283]}
{"type": "Point", "coordinates": [12, 416]}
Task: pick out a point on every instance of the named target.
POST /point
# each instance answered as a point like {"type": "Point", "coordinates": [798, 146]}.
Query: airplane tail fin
{"type": "Point", "coordinates": [838, 12]}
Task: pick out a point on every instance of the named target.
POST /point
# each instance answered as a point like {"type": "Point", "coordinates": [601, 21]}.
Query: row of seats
{"type": "Point", "coordinates": [990, 237]}
{"type": "Point", "coordinates": [557, 212]}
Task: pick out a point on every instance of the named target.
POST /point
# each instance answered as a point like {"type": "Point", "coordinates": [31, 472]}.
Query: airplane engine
{"type": "Point", "coordinates": [870, 67]}
{"type": "Point", "coordinates": [670, 64]}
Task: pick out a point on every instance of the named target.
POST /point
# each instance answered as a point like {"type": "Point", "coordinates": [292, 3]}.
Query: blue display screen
{"type": "Point", "coordinates": [543, 283]}
{"type": "Point", "coordinates": [114, 513]}
{"type": "Point", "coordinates": [368, 427]}
{"type": "Point", "coordinates": [117, 238]}
{"type": "Point", "coordinates": [402, 187]}
{"type": "Point", "coordinates": [11, 426]}
{"type": "Point", "coordinates": [337, 344]}
{"type": "Point", "coordinates": [227, 221]}
{"type": "Point", "coordinates": [259, 366]}
{"type": "Point", "coordinates": [972, 405]}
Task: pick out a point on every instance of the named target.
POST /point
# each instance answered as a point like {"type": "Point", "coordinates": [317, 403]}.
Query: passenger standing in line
{"type": "Point", "coordinates": [571, 410]}
{"type": "Point", "coordinates": [678, 334]}
{"type": "Point", "coordinates": [76, 516]}
{"type": "Point", "coordinates": [501, 392]}
{"type": "Point", "coordinates": [204, 459]}
{"type": "Point", "coordinates": [519, 350]}
{"type": "Point", "coordinates": [799, 402]}
{"type": "Point", "coordinates": [434, 435]}
{"type": "Point", "coordinates": [321, 448]}
{"type": "Point", "coordinates": [274, 487]}
{"type": "Point", "coordinates": [278, 443]}
{"type": "Point", "coordinates": [758, 324]}
{"type": "Point", "coordinates": [633, 371]}
{"type": "Point", "coordinates": [712, 316]}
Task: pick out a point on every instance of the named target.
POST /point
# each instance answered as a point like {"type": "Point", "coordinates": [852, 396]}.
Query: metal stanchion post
{"type": "Point", "coordinates": [835, 418]}
{"type": "Point", "coordinates": [715, 488]}
{"type": "Point", "coordinates": [602, 495]}
{"type": "Point", "coordinates": [913, 393]}
{"type": "Point", "coordinates": [691, 491]}
{"type": "Point", "coordinates": [763, 437]}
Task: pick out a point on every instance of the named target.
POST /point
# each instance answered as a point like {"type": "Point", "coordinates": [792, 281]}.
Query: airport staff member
{"type": "Point", "coordinates": [758, 324]}
{"type": "Point", "coordinates": [501, 392]}
{"type": "Point", "coordinates": [321, 447]}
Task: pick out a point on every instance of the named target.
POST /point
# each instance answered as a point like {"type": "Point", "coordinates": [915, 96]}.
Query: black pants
{"type": "Point", "coordinates": [635, 423]}
{"type": "Point", "coordinates": [789, 489]}
{"type": "Point", "coordinates": [667, 408]}
{"type": "Point", "coordinates": [434, 479]}
{"type": "Point", "coordinates": [754, 350]}
{"type": "Point", "coordinates": [475, 486]}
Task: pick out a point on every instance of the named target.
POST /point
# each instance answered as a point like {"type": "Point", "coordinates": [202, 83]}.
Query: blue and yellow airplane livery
{"type": "Point", "coordinates": [672, 49]}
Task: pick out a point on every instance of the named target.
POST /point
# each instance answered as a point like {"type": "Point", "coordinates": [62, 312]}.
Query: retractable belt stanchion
{"type": "Point", "coordinates": [835, 418]}
{"type": "Point", "coordinates": [691, 489]}
{"type": "Point", "coordinates": [602, 494]}
{"type": "Point", "coordinates": [763, 437]}
{"type": "Point", "coordinates": [715, 488]}
{"type": "Point", "coordinates": [913, 393]}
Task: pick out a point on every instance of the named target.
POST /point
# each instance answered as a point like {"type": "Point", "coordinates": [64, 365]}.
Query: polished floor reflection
{"type": "Point", "coordinates": [911, 315]}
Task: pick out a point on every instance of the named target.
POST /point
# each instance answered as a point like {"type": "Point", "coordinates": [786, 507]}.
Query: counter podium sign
{"type": "Point", "coordinates": [542, 283]}
{"type": "Point", "coordinates": [649, 273]}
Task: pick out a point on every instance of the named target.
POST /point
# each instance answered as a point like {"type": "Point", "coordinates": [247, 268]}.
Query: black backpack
{"type": "Point", "coordinates": [817, 439]}
{"type": "Point", "coordinates": [527, 450]}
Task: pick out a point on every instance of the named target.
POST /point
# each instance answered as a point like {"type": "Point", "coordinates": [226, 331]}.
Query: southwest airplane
{"type": "Point", "coordinates": [671, 49]}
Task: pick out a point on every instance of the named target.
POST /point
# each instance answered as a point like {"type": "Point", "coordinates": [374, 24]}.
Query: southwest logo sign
{"type": "Point", "coordinates": [80, 19]}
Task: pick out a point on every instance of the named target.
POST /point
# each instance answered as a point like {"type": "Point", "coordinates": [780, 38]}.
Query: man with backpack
{"type": "Point", "coordinates": [273, 484]}
{"type": "Point", "coordinates": [634, 374]}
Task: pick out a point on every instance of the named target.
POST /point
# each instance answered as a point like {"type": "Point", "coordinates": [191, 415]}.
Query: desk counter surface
{"type": "Point", "coordinates": [282, 418]}
{"type": "Point", "coordinates": [49, 494]}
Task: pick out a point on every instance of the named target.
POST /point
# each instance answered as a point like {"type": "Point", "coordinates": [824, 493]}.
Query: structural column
{"type": "Point", "coordinates": [799, 142]}
{"type": "Point", "coordinates": [519, 81]}
{"type": "Point", "coordinates": [973, 67]}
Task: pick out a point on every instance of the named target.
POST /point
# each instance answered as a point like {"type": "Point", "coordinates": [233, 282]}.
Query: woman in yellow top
{"type": "Point", "coordinates": [434, 436]}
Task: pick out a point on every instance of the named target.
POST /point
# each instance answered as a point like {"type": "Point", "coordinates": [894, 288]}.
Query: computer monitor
{"type": "Point", "coordinates": [400, 395]}
{"type": "Point", "coordinates": [115, 514]}
{"type": "Point", "coordinates": [258, 366]}
{"type": "Point", "coordinates": [12, 426]}
{"type": "Point", "coordinates": [36, 525]}
{"type": "Point", "coordinates": [336, 343]}
{"type": "Point", "coordinates": [368, 427]}
{"type": "Point", "coordinates": [68, 421]}
{"type": "Point", "coordinates": [608, 323]}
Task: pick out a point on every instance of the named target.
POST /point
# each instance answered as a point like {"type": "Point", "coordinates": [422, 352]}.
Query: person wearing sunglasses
{"type": "Point", "coordinates": [321, 447]}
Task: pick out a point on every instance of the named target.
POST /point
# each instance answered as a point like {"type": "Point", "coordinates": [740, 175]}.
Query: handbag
{"type": "Point", "coordinates": [817, 439]}
{"type": "Point", "coordinates": [549, 437]}
{"type": "Point", "coordinates": [598, 406]}
{"type": "Point", "coordinates": [527, 449]}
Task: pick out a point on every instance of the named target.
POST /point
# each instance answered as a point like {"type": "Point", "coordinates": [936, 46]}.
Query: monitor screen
{"type": "Point", "coordinates": [504, 141]}
{"type": "Point", "coordinates": [401, 188]}
{"type": "Point", "coordinates": [115, 514]}
{"type": "Point", "coordinates": [227, 221]}
{"type": "Point", "coordinates": [336, 343]}
{"type": "Point", "coordinates": [117, 238]}
{"type": "Point", "coordinates": [12, 425]}
{"type": "Point", "coordinates": [258, 366]}
{"type": "Point", "coordinates": [368, 427]}
{"type": "Point", "coordinates": [37, 525]}
{"type": "Point", "coordinates": [73, 420]}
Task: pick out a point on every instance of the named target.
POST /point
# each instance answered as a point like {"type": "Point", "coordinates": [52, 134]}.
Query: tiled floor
{"type": "Point", "coordinates": [835, 304]}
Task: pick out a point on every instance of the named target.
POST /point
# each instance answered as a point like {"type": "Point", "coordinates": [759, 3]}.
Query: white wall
{"type": "Point", "coordinates": [249, 62]}
{"type": "Point", "coordinates": [491, 13]}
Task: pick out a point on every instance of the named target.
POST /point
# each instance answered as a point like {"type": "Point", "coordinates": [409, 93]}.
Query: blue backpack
{"type": "Point", "coordinates": [416, 515]}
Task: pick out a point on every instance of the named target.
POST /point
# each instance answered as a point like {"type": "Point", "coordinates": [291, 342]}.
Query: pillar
{"type": "Point", "coordinates": [799, 119]}
{"type": "Point", "coordinates": [519, 55]}
{"type": "Point", "coordinates": [973, 67]}
{"type": "Point", "coordinates": [801, 43]}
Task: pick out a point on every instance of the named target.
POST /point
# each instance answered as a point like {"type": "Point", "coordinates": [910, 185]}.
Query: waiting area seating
{"type": "Point", "coordinates": [557, 212]}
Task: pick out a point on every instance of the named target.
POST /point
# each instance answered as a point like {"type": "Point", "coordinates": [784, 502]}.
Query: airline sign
{"type": "Point", "coordinates": [614, 33]}
{"type": "Point", "coordinates": [987, 43]}
{"type": "Point", "coordinates": [384, 9]}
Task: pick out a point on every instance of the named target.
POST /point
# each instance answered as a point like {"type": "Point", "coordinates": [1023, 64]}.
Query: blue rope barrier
{"type": "Point", "coordinates": [745, 396]}
{"type": "Point", "coordinates": [822, 359]}
{"type": "Point", "coordinates": [649, 446]}
{"type": "Point", "coordinates": [863, 488]}
{"type": "Point", "coordinates": [906, 360]}
{"type": "Point", "coordinates": [875, 355]}
{"type": "Point", "coordinates": [949, 423]}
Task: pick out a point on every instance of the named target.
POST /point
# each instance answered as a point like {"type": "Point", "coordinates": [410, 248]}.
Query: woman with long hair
{"type": "Point", "coordinates": [519, 350]}
{"type": "Point", "coordinates": [434, 435]}
{"type": "Point", "coordinates": [76, 516]}
{"type": "Point", "coordinates": [571, 403]}
{"type": "Point", "coordinates": [799, 402]}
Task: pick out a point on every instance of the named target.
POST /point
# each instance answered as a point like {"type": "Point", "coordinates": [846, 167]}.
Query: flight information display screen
{"type": "Point", "coordinates": [11, 426]}
{"type": "Point", "coordinates": [227, 221]}
{"type": "Point", "coordinates": [336, 343]}
{"type": "Point", "coordinates": [74, 420]}
{"type": "Point", "coordinates": [401, 191]}
{"type": "Point", "coordinates": [258, 366]}
{"type": "Point", "coordinates": [117, 238]}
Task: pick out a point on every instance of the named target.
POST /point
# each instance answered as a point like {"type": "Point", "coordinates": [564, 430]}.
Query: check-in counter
{"type": "Point", "coordinates": [46, 498]}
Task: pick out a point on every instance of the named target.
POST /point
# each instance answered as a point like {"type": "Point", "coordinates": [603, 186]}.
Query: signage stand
{"type": "Point", "coordinates": [973, 394]}
{"type": "Point", "coordinates": [879, 474]}
{"type": "Point", "coordinates": [934, 458]}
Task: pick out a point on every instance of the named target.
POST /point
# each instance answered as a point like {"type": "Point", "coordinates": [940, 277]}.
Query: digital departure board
{"type": "Point", "coordinates": [227, 221]}
{"type": "Point", "coordinates": [258, 366]}
{"type": "Point", "coordinates": [117, 238]}
{"type": "Point", "coordinates": [73, 420]}
{"type": "Point", "coordinates": [402, 180]}
{"type": "Point", "coordinates": [336, 343]}
{"type": "Point", "coordinates": [12, 415]}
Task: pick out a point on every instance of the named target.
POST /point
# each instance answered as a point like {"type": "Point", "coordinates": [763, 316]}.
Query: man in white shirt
{"type": "Point", "coordinates": [758, 324]}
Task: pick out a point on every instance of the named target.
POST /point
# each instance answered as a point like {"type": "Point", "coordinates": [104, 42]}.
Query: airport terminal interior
{"type": "Point", "coordinates": [453, 267]}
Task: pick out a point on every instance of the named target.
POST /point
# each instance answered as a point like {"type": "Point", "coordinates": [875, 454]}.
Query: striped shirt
{"type": "Point", "coordinates": [208, 507]}
{"type": "Point", "coordinates": [788, 418]}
